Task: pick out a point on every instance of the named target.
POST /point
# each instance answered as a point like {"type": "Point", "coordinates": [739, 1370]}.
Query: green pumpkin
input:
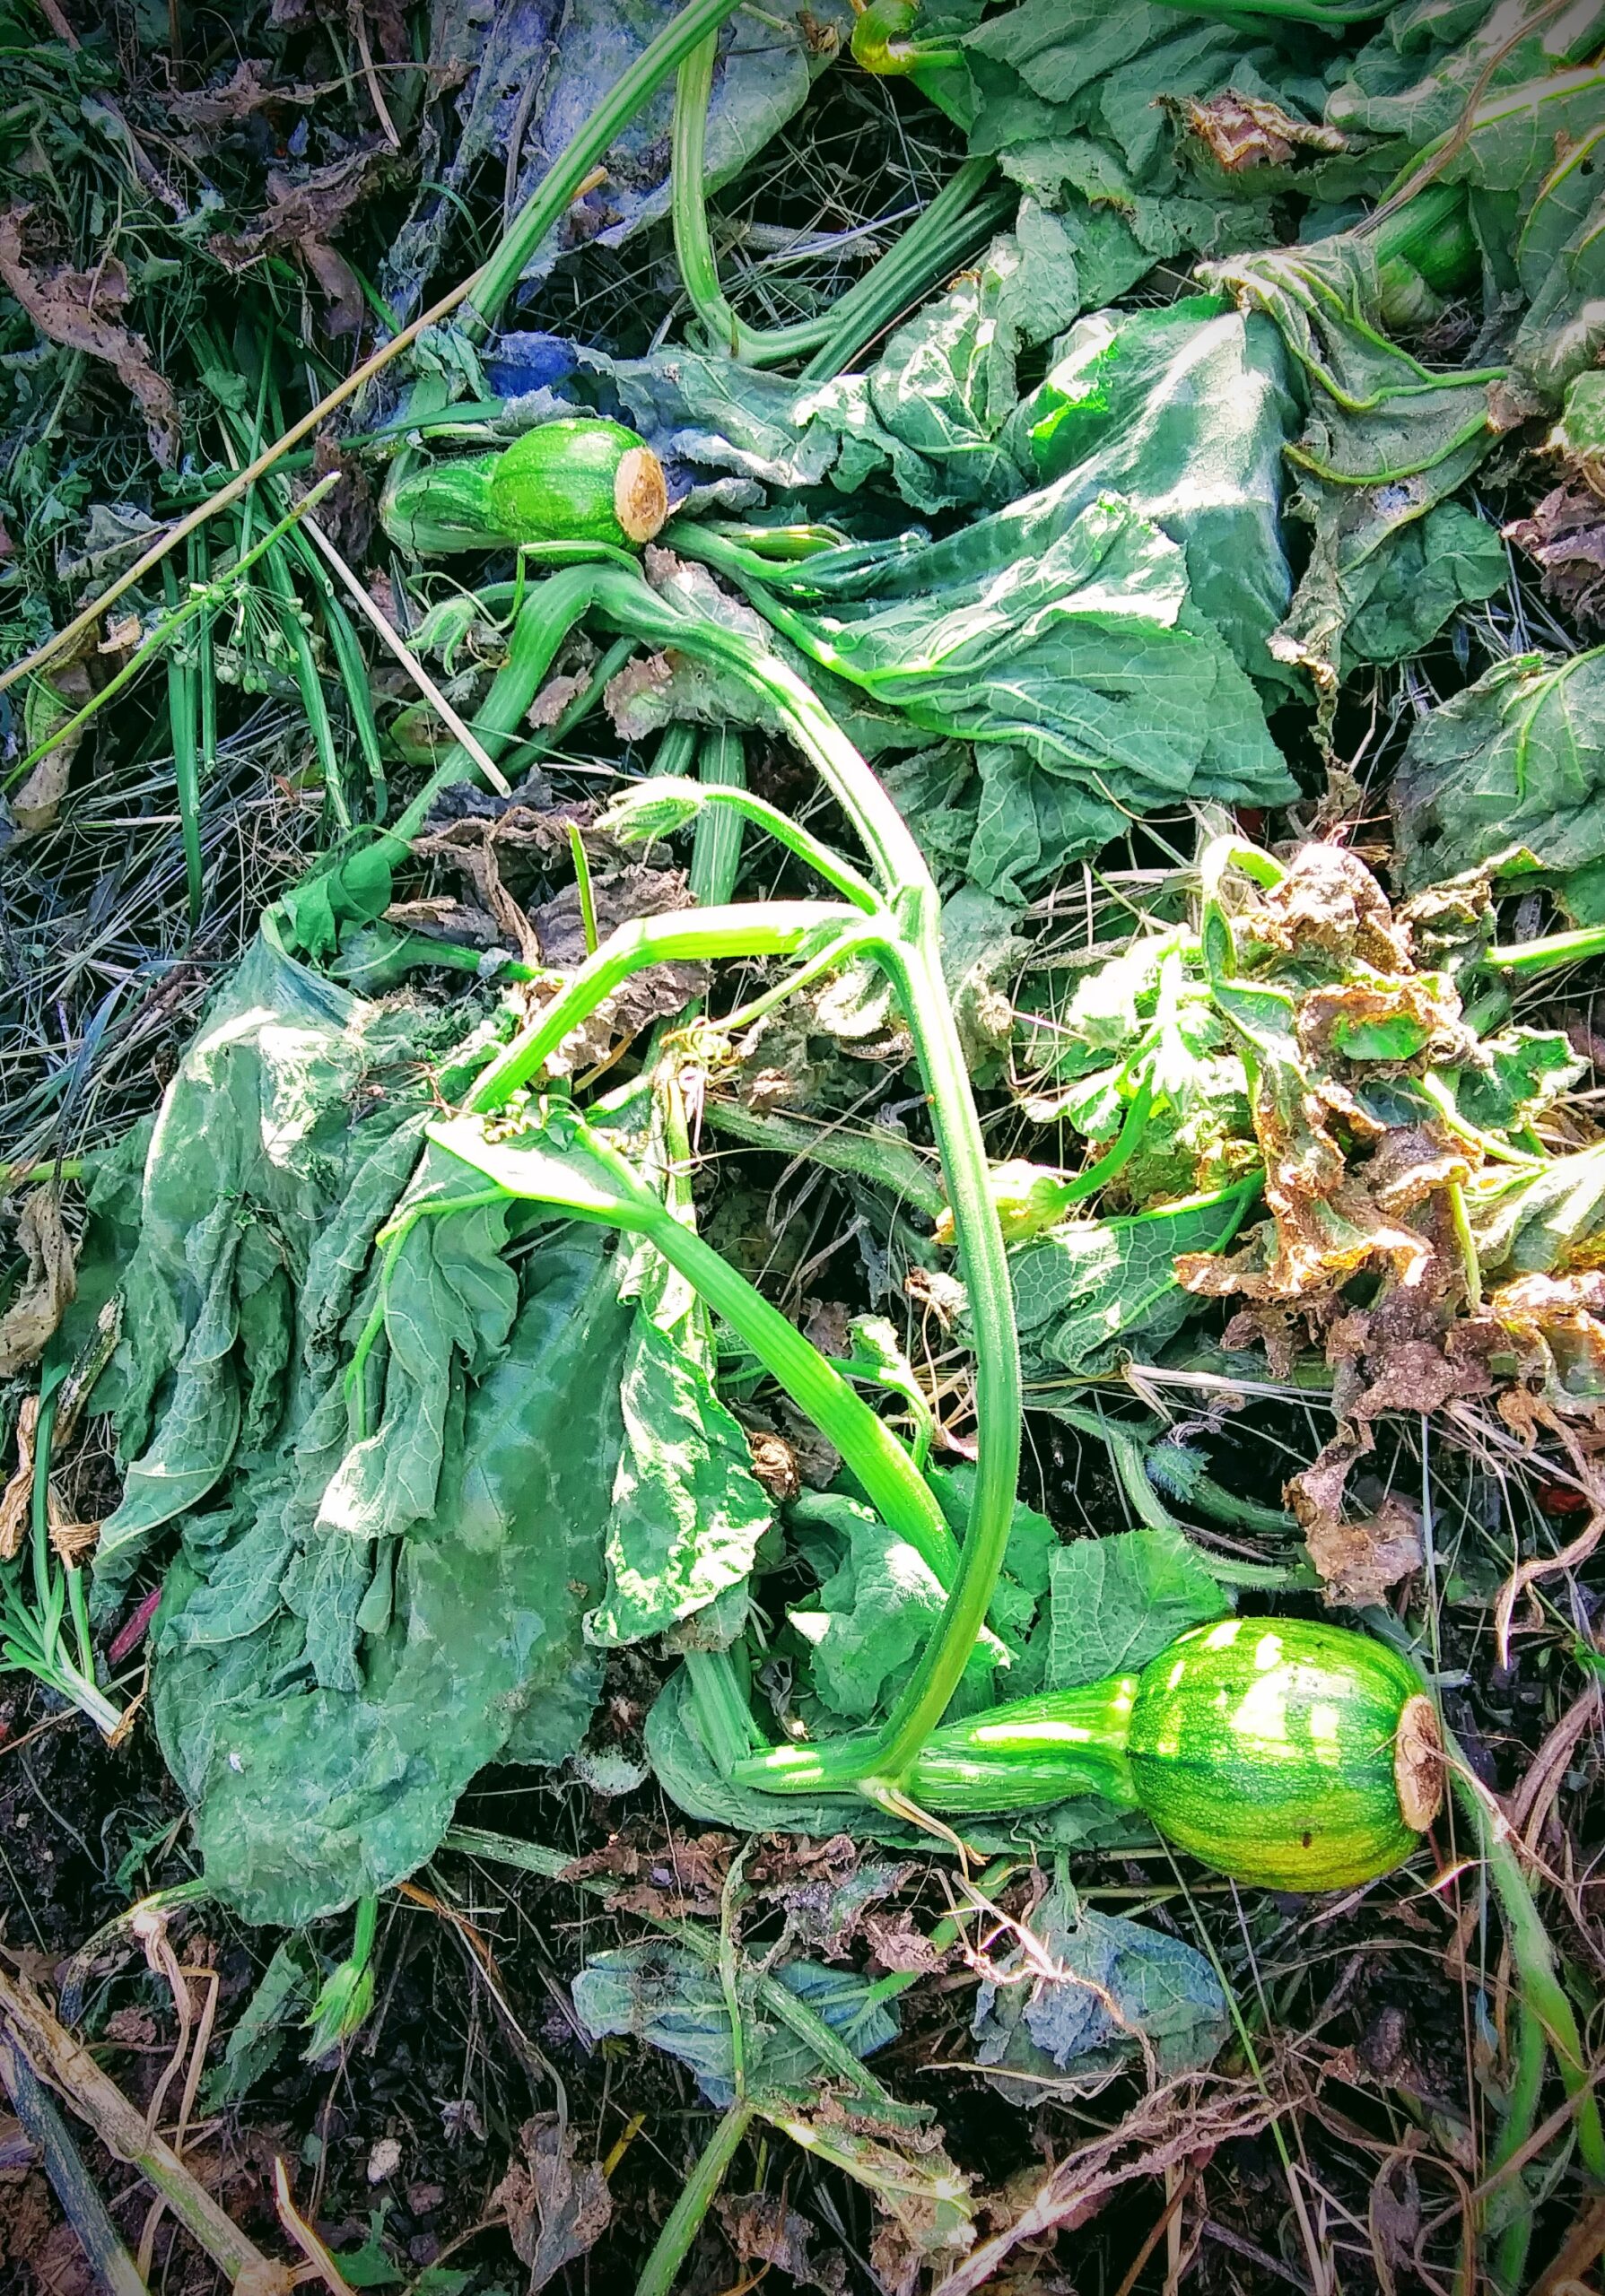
{"type": "Point", "coordinates": [1281, 1752]}
{"type": "Point", "coordinates": [1286, 1752]}
{"type": "Point", "coordinates": [579, 480]}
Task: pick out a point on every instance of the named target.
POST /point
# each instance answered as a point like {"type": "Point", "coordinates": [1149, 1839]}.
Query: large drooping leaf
{"type": "Point", "coordinates": [687, 1510]}
{"type": "Point", "coordinates": [257, 1188]}
{"type": "Point", "coordinates": [540, 68]}
{"type": "Point", "coordinates": [1060, 635]}
{"type": "Point", "coordinates": [1101, 1995]}
{"type": "Point", "coordinates": [1184, 412]}
{"type": "Point", "coordinates": [878, 1606]}
{"type": "Point", "coordinates": [1075, 101]}
{"type": "Point", "coordinates": [926, 418]}
{"type": "Point", "coordinates": [1387, 439]}
{"type": "Point", "coordinates": [1413, 80]}
{"type": "Point", "coordinates": [376, 1590]}
{"type": "Point", "coordinates": [1541, 1222]}
{"type": "Point", "coordinates": [1513, 765]}
{"type": "Point", "coordinates": [316, 1783]}
{"type": "Point", "coordinates": [872, 1616]}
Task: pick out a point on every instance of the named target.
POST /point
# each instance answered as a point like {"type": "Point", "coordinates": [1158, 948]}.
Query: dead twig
{"type": "Point", "coordinates": [70, 2181]}
{"type": "Point", "coordinates": [57, 2057]}
{"type": "Point", "coordinates": [1162, 2133]}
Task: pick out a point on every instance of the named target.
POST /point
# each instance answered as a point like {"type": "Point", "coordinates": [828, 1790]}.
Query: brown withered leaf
{"type": "Point", "coordinates": [77, 309]}
{"type": "Point", "coordinates": [1414, 1163]}
{"type": "Point", "coordinates": [54, 698]}
{"type": "Point", "coordinates": [302, 215]}
{"type": "Point", "coordinates": [678, 1876]}
{"type": "Point", "coordinates": [1330, 901]}
{"type": "Point", "coordinates": [349, 515]}
{"type": "Point", "coordinates": [774, 1463]}
{"type": "Point", "coordinates": [761, 2230]}
{"type": "Point", "coordinates": [342, 289]}
{"type": "Point", "coordinates": [1328, 1018]}
{"type": "Point", "coordinates": [443, 919]}
{"type": "Point", "coordinates": [899, 1946]}
{"type": "Point", "coordinates": [1558, 1323]}
{"type": "Point", "coordinates": [1357, 1561]}
{"type": "Point", "coordinates": [309, 206]}
{"type": "Point", "coordinates": [619, 895]}
{"type": "Point", "coordinates": [556, 2208]}
{"type": "Point", "coordinates": [1240, 132]}
{"type": "Point", "coordinates": [48, 1288]}
{"type": "Point", "coordinates": [1415, 1375]}
{"type": "Point", "coordinates": [245, 90]}
{"type": "Point", "coordinates": [16, 1499]}
{"type": "Point", "coordinates": [1565, 535]}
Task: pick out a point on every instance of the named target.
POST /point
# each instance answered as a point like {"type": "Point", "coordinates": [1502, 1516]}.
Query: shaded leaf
{"type": "Point", "coordinates": [556, 2208]}
{"type": "Point", "coordinates": [1113, 1991]}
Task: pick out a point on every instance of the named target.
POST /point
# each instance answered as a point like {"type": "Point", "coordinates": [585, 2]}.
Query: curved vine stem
{"type": "Point", "coordinates": [906, 940]}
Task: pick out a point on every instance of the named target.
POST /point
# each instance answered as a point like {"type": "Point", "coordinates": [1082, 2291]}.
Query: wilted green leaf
{"type": "Point", "coordinates": [667, 1997]}
{"type": "Point", "coordinates": [1120, 1992]}
{"type": "Point", "coordinates": [1515, 763]}
{"type": "Point", "coordinates": [1094, 1289]}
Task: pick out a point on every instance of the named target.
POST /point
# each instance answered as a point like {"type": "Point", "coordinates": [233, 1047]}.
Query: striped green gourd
{"type": "Point", "coordinates": [580, 478]}
{"type": "Point", "coordinates": [1282, 1752]}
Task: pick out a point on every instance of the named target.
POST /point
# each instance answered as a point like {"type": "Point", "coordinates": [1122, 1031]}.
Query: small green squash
{"type": "Point", "coordinates": [1282, 1752]}
{"type": "Point", "coordinates": [579, 480]}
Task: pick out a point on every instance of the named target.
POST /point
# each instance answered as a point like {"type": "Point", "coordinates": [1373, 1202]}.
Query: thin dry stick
{"type": "Point", "coordinates": [375, 92]}
{"type": "Point", "coordinates": [305, 2238]}
{"type": "Point", "coordinates": [392, 641]}
{"type": "Point", "coordinates": [62, 2060]}
{"type": "Point", "coordinates": [1168, 2125]}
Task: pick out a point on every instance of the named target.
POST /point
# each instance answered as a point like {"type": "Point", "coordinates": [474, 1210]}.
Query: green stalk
{"type": "Point", "coordinates": [648, 809]}
{"type": "Point", "coordinates": [558, 187]}
{"type": "Point", "coordinates": [895, 1489]}
{"type": "Point", "coordinates": [292, 623]}
{"type": "Point", "coordinates": [684, 2221]}
{"type": "Point", "coordinates": [181, 709]}
{"type": "Point", "coordinates": [716, 849]}
{"type": "Point", "coordinates": [676, 752]}
{"type": "Point", "coordinates": [885, 1163]}
{"type": "Point", "coordinates": [911, 955]}
{"type": "Point", "coordinates": [955, 222]}
{"type": "Point", "coordinates": [963, 214]}
{"type": "Point", "coordinates": [693, 244]}
{"type": "Point", "coordinates": [692, 936]}
{"type": "Point", "coordinates": [1545, 955]}
{"type": "Point", "coordinates": [1545, 2019]}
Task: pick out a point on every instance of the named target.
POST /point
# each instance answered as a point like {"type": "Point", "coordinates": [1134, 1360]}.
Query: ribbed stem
{"type": "Point", "coordinates": [680, 2228]}
{"type": "Point", "coordinates": [693, 244]}
{"type": "Point", "coordinates": [1032, 1753]}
